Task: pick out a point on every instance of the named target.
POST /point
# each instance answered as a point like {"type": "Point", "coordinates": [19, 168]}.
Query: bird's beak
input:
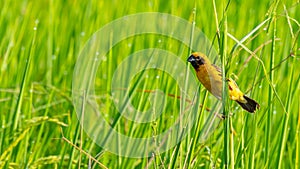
{"type": "Point", "coordinates": [191, 58]}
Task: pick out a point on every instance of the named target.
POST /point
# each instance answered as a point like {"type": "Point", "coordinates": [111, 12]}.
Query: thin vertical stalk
{"type": "Point", "coordinates": [286, 116]}
{"type": "Point", "coordinates": [270, 95]}
{"type": "Point", "coordinates": [224, 94]}
{"type": "Point", "coordinates": [297, 139]}
{"type": "Point", "coordinates": [81, 127]}
{"type": "Point", "coordinates": [197, 132]}
{"type": "Point", "coordinates": [216, 20]}
{"type": "Point", "coordinates": [23, 84]}
{"type": "Point", "coordinates": [27, 137]}
{"type": "Point", "coordinates": [50, 44]}
{"type": "Point", "coordinates": [286, 121]}
{"type": "Point", "coordinates": [298, 123]}
{"type": "Point", "coordinates": [73, 149]}
{"type": "Point", "coordinates": [252, 159]}
{"type": "Point", "coordinates": [243, 141]}
{"type": "Point", "coordinates": [231, 146]}
{"type": "Point", "coordinates": [269, 118]}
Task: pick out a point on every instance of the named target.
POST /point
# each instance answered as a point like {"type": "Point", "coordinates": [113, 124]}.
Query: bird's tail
{"type": "Point", "coordinates": [250, 106]}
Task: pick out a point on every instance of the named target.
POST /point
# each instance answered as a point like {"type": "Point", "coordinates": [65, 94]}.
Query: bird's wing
{"type": "Point", "coordinates": [215, 75]}
{"type": "Point", "coordinates": [218, 69]}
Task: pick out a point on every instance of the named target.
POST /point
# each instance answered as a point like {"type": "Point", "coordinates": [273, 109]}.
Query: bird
{"type": "Point", "coordinates": [210, 75]}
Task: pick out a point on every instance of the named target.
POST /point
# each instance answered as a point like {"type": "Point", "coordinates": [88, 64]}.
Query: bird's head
{"type": "Point", "coordinates": [196, 59]}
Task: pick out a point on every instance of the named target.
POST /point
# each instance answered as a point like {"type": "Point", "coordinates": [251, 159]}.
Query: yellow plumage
{"type": "Point", "coordinates": [210, 76]}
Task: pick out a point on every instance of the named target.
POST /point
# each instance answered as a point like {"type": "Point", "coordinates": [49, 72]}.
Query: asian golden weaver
{"type": "Point", "coordinates": [210, 76]}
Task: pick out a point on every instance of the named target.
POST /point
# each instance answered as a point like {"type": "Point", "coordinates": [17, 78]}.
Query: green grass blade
{"type": "Point", "coordinates": [225, 110]}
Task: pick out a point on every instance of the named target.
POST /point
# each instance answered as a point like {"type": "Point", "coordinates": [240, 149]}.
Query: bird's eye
{"type": "Point", "coordinates": [200, 61]}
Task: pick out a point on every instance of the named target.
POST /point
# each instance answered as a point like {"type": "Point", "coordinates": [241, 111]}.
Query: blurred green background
{"type": "Point", "coordinates": [39, 46]}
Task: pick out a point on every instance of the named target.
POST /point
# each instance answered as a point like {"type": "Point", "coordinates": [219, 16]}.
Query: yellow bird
{"type": "Point", "coordinates": [210, 76]}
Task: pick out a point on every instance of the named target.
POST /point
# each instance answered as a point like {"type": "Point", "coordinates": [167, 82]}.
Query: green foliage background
{"type": "Point", "coordinates": [40, 41]}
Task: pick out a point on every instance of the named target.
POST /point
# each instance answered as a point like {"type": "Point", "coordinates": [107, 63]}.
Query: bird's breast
{"type": "Point", "coordinates": [210, 80]}
{"type": "Point", "coordinates": [203, 77]}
